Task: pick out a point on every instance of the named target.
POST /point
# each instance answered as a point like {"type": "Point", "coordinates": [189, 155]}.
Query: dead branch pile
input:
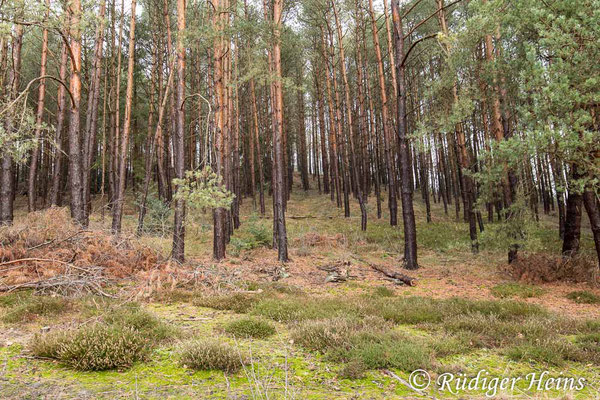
{"type": "Point", "coordinates": [47, 252]}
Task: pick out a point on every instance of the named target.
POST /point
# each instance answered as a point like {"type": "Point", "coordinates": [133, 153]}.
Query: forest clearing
{"type": "Point", "coordinates": [243, 199]}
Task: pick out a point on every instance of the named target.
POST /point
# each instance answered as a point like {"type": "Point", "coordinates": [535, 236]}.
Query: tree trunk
{"type": "Point", "coordinates": [119, 200]}
{"type": "Point", "coordinates": [408, 214]}
{"type": "Point", "coordinates": [61, 111]}
{"type": "Point", "coordinates": [387, 135]}
{"type": "Point", "coordinates": [31, 184]}
{"type": "Point", "coordinates": [278, 192]}
{"type": "Point", "coordinates": [92, 113]}
{"type": "Point", "coordinates": [179, 140]}
{"type": "Point", "coordinates": [75, 162]}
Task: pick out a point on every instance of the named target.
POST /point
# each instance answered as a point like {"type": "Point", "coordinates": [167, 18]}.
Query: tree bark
{"type": "Point", "coordinates": [179, 140]}
{"type": "Point", "coordinates": [119, 200]}
{"type": "Point", "coordinates": [75, 162]}
{"type": "Point", "coordinates": [31, 182]}
{"type": "Point", "coordinates": [408, 214]}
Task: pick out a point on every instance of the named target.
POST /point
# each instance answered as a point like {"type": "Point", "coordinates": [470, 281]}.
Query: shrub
{"type": "Point", "coordinates": [354, 369]}
{"type": "Point", "coordinates": [250, 327]}
{"type": "Point", "coordinates": [387, 350]}
{"type": "Point", "coordinates": [158, 220]}
{"type": "Point", "coordinates": [328, 334]}
{"type": "Point", "coordinates": [32, 307]}
{"type": "Point", "coordinates": [95, 347]}
{"type": "Point", "coordinates": [584, 297]}
{"type": "Point", "coordinates": [512, 289]}
{"type": "Point", "coordinates": [210, 355]}
{"type": "Point", "coordinates": [551, 352]}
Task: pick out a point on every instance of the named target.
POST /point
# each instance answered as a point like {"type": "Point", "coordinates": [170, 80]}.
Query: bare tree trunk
{"type": "Point", "coordinates": [278, 192]}
{"type": "Point", "coordinates": [61, 111]}
{"type": "Point", "coordinates": [31, 187]}
{"type": "Point", "coordinates": [357, 182]}
{"type": "Point", "coordinates": [388, 138]}
{"type": "Point", "coordinates": [118, 207]}
{"type": "Point", "coordinates": [75, 162]}
{"type": "Point", "coordinates": [590, 202]}
{"type": "Point", "coordinates": [408, 214]}
{"type": "Point", "coordinates": [179, 140]}
{"type": "Point", "coordinates": [92, 113]}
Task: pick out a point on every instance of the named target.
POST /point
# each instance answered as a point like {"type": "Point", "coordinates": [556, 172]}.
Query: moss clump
{"type": "Point", "coordinates": [210, 355]}
{"type": "Point", "coordinates": [584, 297]}
{"type": "Point", "coordinates": [513, 289]}
{"type": "Point", "coordinates": [250, 327]}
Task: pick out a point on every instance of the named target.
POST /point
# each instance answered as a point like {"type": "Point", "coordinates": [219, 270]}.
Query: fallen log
{"type": "Point", "coordinates": [395, 277]}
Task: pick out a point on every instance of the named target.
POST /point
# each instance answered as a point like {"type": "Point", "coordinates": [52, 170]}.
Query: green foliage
{"type": "Point", "coordinates": [249, 327]}
{"type": "Point", "coordinates": [211, 355]}
{"type": "Point", "coordinates": [203, 189]}
{"type": "Point", "coordinates": [159, 216]}
{"type": "Point", "coordinates": [513, 289]}
{"type": "Point", "coordinates": [253, 235]}
{"type": "Point", "coordinates": [583, 297]}
{"type": "Point", "coordinates": [28, 308]}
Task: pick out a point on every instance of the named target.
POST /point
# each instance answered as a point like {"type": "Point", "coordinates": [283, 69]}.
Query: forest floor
{"type": "Point", "coordinates": [334, 328]}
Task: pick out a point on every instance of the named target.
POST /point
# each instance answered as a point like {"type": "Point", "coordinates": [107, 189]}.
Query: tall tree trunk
{"type": "Point", "coordinates": [278, 192]}
{"type": "Point", "coordinates": [31, 183]}
{"type": "Point", "coordinates": [61, 112]}
{"type": "Point", "coordinates": [89, 138]}
{"type": "Point", "coordinates": [387, 135]}
{"type": "Point", "coordinates": [7, 177]}
{"type": "Point", "coordinates": [590, 201]}
{"type": "Point", "coordinates": [179, 140]}
{"type": "Point", "coordinates": [408, 213]}
{"type": "Point", "coordinates": [75, 162]}
{"type": "Point", "coordinates": [119, 200]}
{"type": "Point", "coordinates": [355, 167]}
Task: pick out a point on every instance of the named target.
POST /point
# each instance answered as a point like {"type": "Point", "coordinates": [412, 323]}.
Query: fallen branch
{"type": "Point", "coordinates": [300, 216]}
{"type": "Point", "coordinates": [404, 382]}
{"type": "Point", "coordinates": [395, 277]}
